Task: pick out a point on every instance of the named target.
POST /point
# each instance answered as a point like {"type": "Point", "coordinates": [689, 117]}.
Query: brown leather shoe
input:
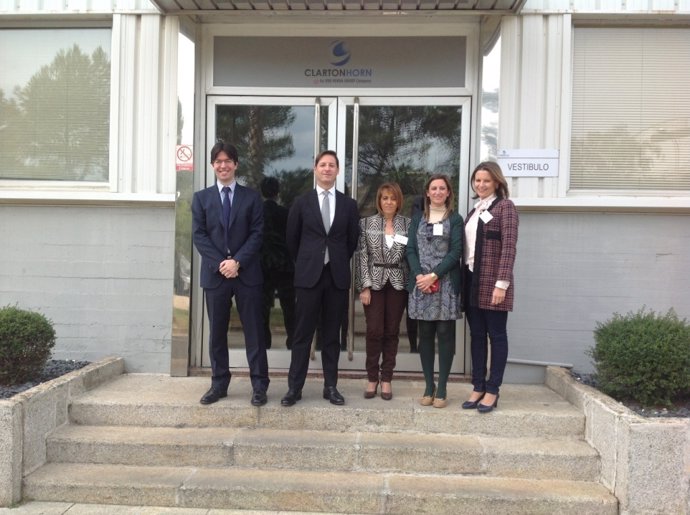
{"type": "Point", "coordinates": [370, 394]}
{"type": "Point", "coordinates": [386, 396]}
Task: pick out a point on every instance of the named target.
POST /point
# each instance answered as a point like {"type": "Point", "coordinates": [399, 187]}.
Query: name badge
{"type": "Point", "coordinates": [399, 238]}
{"type": "Point", "coordinates": [486, 217]}
{"type": "Point", "coordinates": [438, 230]}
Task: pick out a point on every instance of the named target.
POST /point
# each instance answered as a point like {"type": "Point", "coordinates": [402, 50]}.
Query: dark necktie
{"type": "Point", "coordinates": [226, 205]}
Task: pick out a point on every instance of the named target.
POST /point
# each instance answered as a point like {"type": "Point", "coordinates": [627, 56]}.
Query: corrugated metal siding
{"type": "Point", "coordinates": [228, 6]}
{"type": "Point", "coordinates": [606, 6]}
{"type": "Point", "coordinates": [38, 7]}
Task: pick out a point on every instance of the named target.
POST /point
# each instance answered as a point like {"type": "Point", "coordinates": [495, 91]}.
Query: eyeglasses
{"type": "Point", "coordinates": [218, 162]}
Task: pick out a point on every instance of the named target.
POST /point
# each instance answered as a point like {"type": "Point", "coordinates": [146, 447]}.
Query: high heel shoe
{"type": "Point", "coordinates": [472, 404]}
{"type": "Point", "coordinates": [386, 396]}
{"type": "Point", "coordinates": [369, 394]}
{"type": "Point", "coordinates": [483, 408]}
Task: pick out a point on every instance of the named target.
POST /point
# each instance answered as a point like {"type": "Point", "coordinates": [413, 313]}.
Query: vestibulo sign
{"type": "Point", "coordinates": [529, 162]}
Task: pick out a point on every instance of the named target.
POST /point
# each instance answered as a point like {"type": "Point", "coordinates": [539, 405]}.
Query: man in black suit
{"type": "Point", "coordinates": [227, 229]}
{"type": "Point", "coordinates": [322, 235]}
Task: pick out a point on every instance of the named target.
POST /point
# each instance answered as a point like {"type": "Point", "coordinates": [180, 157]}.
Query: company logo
{"type": "Point", "coordinates": [340, 55]}
{"type": "Point", "coordinates": [338, 74]}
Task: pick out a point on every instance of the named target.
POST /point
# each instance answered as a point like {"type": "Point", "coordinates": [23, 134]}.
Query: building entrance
{"type": "Point", "coordinates": [378, 139]}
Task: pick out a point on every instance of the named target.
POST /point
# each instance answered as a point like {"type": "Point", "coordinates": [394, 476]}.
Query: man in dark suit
{"type": "Point", "coordinates": [227, 229]}
{"type": "Point", "coordinates": [322, 235]}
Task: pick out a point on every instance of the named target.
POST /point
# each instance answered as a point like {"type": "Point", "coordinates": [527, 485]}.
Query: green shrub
{"type": "Point", "coordinates": [643, 357]}
{"type": "Point", "coordinates": [26, 341]}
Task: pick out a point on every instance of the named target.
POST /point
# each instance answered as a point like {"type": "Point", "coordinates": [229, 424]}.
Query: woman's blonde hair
{"type": "Point", "coordinates": [397, 193]}
{"type": "Point", "coordinates": [496, 174]}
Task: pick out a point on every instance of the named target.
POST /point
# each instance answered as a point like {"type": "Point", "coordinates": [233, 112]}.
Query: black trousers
{"type": "Point", "coordinates": [488, 326]}
{"type": "Point", "coordinates": [249, 302]}
{"type": "Point", "coordinates": [331, 302]}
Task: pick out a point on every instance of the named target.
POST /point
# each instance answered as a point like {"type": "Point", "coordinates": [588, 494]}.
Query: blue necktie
{"type": "Point", "coordinates": [226, 205]}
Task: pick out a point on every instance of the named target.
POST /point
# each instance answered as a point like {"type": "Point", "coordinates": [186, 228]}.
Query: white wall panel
{"type": "Point", "coordinates": [167, 132]}
{"type": "Point", "coordinates": [145, 91]}
{"type": "Point", "coordinates": [124, 73]}
{"type": "Point", "coordinates": [146, 109]}
{"type": "Point", "coordinates": [531, 93]}
{"type": "Point", "coordinates": [576, 269]}
{"type": "Point", "coordinates": [103, 275]}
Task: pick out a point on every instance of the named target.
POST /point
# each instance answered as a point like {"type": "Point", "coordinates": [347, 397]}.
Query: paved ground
{"type": "Point", "coordinates": [60, 508]}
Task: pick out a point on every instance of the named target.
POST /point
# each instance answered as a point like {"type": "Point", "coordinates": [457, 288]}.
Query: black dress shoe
{"type": "Point", "coordinates": [332, 394]}
{"type": "Point", "coordinates": [472, 404]}
{"type": "Point", "coordinates": [259, 398]}
{"type": "Point", "coordinates": [485, 408]}
{"type": "Point", "coordinates": [291, 397]}
{"type": "Point", "coordinates": [212, 396]}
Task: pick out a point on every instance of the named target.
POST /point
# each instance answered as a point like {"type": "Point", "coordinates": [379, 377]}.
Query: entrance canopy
{"type": "Point", "coordinates": [215, 7]}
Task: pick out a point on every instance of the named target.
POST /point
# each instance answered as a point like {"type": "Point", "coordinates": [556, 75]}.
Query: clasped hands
{"type": "Point", "coordinates": [229, 268]}
{"type": "Point", "coordinates": [424, 281]}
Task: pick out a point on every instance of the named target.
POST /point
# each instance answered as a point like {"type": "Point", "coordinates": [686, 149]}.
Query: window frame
{"type": "Point", "coordinates": [18, 189]}
{"type": "Point", "coordinates": [657, 197]}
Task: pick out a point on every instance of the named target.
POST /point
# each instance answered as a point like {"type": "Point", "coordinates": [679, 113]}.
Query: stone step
{"type": "Point", "coordinates": [162, 401]}
{"type": "Point", "coordinates": [258, 448]}
{"type": "Point", "coordinates": [337, 492]}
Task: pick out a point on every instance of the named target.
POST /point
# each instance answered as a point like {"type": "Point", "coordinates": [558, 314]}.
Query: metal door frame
{"type": "Point", "coordinates": [337, 123]}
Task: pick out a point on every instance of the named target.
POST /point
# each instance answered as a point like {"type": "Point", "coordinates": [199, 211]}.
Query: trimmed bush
{"type": "Point", "coordinates": [643, 357]}
{"type": "Point", "coordinates": [26, 341]}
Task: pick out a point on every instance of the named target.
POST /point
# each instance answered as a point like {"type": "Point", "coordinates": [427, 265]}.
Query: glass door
{"type": "Point", "coordinates": [401, 139]}
{"type": "Point", "coordinates": [277, 139]}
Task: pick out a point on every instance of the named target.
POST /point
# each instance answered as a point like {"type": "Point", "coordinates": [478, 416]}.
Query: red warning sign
{"type": "Point", "coordinates": [184, 158]}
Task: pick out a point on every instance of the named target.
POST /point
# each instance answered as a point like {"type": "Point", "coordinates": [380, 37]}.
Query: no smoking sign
{"type": "Point", "coordinates": [184, 158]}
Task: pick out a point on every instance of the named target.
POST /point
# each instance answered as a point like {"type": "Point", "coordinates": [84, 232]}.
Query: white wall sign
{"type": "Point", "coordinates": [529, 162]}
{"type": "Point", "coordinates": [353, 62]}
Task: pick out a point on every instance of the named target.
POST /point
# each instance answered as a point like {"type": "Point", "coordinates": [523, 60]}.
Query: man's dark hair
{"type": "Point", "coordinates": [327, 153]}
{"type": "Point", "coordinates": [270, 187]}
{"type": "Point", "coordinates": [229, 149]}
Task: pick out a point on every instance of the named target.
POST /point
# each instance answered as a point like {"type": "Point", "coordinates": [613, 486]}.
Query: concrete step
{"type": "Point", "coordinates": [162, 401]}
{"type": "Point", "coordinates": [338, 492]}
{"type": "Point", "coordinates": [259, 448]}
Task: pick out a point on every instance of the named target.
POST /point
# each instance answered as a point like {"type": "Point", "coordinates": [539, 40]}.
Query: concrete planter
{"type": "Point", "coordinates": [645, 462]}
{"type": "Point", "coordinates": [27, 418]}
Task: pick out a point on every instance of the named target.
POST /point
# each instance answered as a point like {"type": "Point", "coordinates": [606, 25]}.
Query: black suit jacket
{"type": "Point", "coordinates": [307, 239]}
{"type": "Point", "coordinates": [244, 235]}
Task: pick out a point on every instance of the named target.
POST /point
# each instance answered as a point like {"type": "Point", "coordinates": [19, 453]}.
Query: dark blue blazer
{"type": "Point", "coordinates": [244, 235]}
{"type": "Point", "coordinates": [307, 239]}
